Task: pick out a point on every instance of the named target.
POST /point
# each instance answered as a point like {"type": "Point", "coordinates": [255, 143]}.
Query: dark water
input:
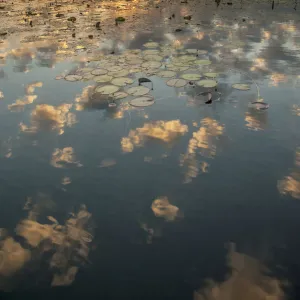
{"type": "Point", "coordinates": [177, 200]}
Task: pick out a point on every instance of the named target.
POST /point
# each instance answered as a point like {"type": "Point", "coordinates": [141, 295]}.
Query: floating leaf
{"type": "Point", "coordinates": [178, 83]}
{"type": "Point", "coordinates": [73, 78]}
{"type": "Point", "coordinates": [151, 52]}
{"type": "Point", "coordinates": [174, 68]}
{"type": "Point", "coordinates": [211, 75]}
{"type": "Point", "coordinates": [86, 70]}
{"type": "Point", "coordinates": [241, 86]}
{"type": "Point", "coordinates": [135, 70]}
{"type": "Point", "coordinates": [259, 105]}
{"type": "Point", "coordinates": [142, 101]}
{"type": "Point", "coordinates": [115, 69]}
{"type": "Point", "coordinates": [107, 89]}
{"type": "Point", "coordinates": [119, 95]}
{"type": "Point", "coordinates": [207, 83]}
{"type": "Point", "coordinates": [103, 78]}
{"type": "Point", "coordinates": [196, 51]}
{"type": "Point", "coordinates": [98, 72]}
{"type": "Point", "coordinates": [203, 62]}
{"type": "Point", "coordinates": [192, 77]}
{"type": "Point", "coordinates": [153, 57]}
{"type": "Point", "coordinates": [136, 61]}
{"type": "Point", "coordinates": [122, 81]}
{"type": "Point", "coordinates": [87, 76]}
{"type": "Point", "coordinates": [121, 73]}
{"type": "Point", "coordinates": [166, 74]}
{"type": "Point", "coordinates": [138, 90]}
{"type": "Point", "coordinates": [151, 45]}
{"type": "Point", "coordinates": [151, 65]}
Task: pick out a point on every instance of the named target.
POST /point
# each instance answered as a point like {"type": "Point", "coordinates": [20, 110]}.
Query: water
{"type": "Point", "coordinates": [180, 199]}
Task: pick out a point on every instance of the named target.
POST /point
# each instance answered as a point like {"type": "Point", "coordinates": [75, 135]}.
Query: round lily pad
{"type": "Point", "coordinates": [241, 86]}
{"type": "Point", "coordinates": [87, 76]}
{"type": "Point", "coordinates": [121, 73]}
{"type": "Point", "coordinates": [142, 101]}
{"type": "Point", "coordinates": [207, 83]}
{"type": "Point", "coordinates": [135, 70]}
{"type": "Point", "coordinates": [151, 45]}
{"type": "Point", "coordinates": [174, 68]}
{"type": "Point", "coordinates": [153, 57]}
{"type": "Point", "coordinates": [103, 78]}
{"type": "Point", "coordinates": [138, 90]}
{"type": "Point", "coordinates": [73, 78]}
{"type": "Point", "coordinates": [119, 95]}
{"type": "Point", "coordinates": [203, 62]}
{"type": "Point", "coordinates": [151, 52]}
{"type": "Point", "coordinates": [166, 74]}
{"type": "Point", "coordinates": [211, 75]}
{"type": "Point", "coordinates": [192, 77]}
{"type": "Point", "coordinates": [178, 83]}
{"type": "Point", "coordinates": [115, 69]}
{"type": "Point", "coordinates": [98, 72]}
{"type": "Point", "coordinates": [151, 65]}
{"type": "Point", "coordinates": [136, 61]}
{"type": "Point", "coordinates": [86, 70]}
{"type": "Point", "coordinates": [185, 58]}
{"type": "Point", "coordinates": [122, 81]}
{"type": "Point", "coordinates": [107, 89]}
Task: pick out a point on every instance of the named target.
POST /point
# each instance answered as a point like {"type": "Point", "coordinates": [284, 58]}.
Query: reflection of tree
{"type": "Point", "coordinates": [62, 158]}
{"type": "Point", "coordinates": [161, 207]}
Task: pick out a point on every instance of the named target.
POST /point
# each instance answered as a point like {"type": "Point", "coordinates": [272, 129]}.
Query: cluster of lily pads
{"type": "Point", "coordinates": [116, 74]}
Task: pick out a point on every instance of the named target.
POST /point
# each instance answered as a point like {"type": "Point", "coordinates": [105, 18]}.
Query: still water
{"type": "Point", "coordinates": [115, 189]}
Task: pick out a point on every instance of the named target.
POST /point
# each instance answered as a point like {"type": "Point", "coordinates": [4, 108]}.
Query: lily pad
{"type": "Point", "coordinates": [151, 52]}
{"type": "Point", "coordinates": [153, 57]}
{"type": "Point", "coordinates": [121, 73]}
{"type": "Point", "coordinates": [192, 77]}
{"type": "Point", "coordinates": [103, 78]}
{"type": "Point", "coordinates": [203, 62]}
{"type": "Point", "coordinates": [122, 81]}
{"type": "Point", "coordinates": [174, 68]}
{"type": "Point", "coordinates": [207, 83]}
{"type": "Point", "coordinates": [178, 83]}
{"type": "Point", "coordinates": [107, 89]}
{"type": "Point", "coordinates": [186, 58]}
{"type": "Point", "coordinates": [115, 69]}
{"type": "Point", "coordinates": [211, 75]}
{"type": "Point", "coordinates": [151, 45]}
{"type": "Point", "coordinates": [241, 86]}
{"type": "Point", "coordinates": [87, 76]}
{"type": "Point", "coordinates": [119, 95]}
{"type": "Point", "coordinates": [151, 65]}
{"type": "Point", "coordinates": [73, 78]}
{"type": "Point", "coordinates": [138, 90]}
{"type": "Point", "coordinates": [166, 74]}
{"type": "Point", "coordinates": [98, 72]}
{"type": "Point", "coordinates": [142, 101]}
{"type": "Point", "coordinates": [136, 61]}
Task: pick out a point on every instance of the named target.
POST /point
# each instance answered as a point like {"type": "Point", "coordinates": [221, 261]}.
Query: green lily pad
{"type": "Point", "coordinates": [73, 78]}
{"type": "Point", "coordinates": [191, 77]}
{"type": "Point", "coordinates": [203, 62]}
{"type": "Point", "coordinates": [121, 73]}
{"type": "Point", "coordinates": [103, 78]}
{"type": "Point", "coordinates": [119, 95]}
{"type": "Point", "coordinates": [178, 83]}
{"type": "Point", "coordinates": [151, 65]}
{"type": "Point", "coordinates": [151, 45]}
{"type": "Point", "coordinates": [153, 57]}
{"type": "Point", "coordinates": [166, 74]}
{"type": "Point", "coordinates": [122, 81]}
{"type": "Point", "coordinates": [138, 91]}
{"type": "Point", "coordinates": [211, 75]}
{"type": "Point", "coordinates": [241, 86]}
{"type": "Point", "coordinates": [98, 72]}
{"type": "Point", "coordinates": [207, 83]}
{"type": "Point", "coordinates": [142, 101]}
